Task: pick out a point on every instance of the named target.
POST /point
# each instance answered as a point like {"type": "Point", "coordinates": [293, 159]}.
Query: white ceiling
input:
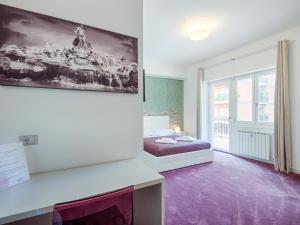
{"type": "Point", "coordinates": [235, 23]}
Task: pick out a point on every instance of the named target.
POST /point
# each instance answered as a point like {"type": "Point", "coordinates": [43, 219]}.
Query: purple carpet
{"type": "Point", "coordinates": [232, 191]}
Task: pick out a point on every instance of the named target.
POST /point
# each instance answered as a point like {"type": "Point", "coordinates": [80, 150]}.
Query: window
{"type": "Point", "coordinates": [241, 103]}
{"type": "Point", "coordinates": [255, 97]}
{"type": "Point", "coordinates": [221, 93]}
{"type": "Point", "coordinates": [266, 95]}
{"type": "Point", "coordinates": [220, 115]}
{"type": "Point", "coordinates": [244, 100]}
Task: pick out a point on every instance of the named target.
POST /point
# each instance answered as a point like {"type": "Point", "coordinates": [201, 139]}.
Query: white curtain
{"type": "Point", "coordinates": [200, 102]}
{"type": "Point", "coordinates": [282, 120]}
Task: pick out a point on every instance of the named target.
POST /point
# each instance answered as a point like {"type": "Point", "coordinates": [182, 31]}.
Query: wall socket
{"type": "Point", "coordinates": [29, 139]}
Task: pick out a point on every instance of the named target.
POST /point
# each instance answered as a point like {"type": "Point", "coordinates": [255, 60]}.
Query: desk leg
{"type": "Point", "coordinates": [148, 205]}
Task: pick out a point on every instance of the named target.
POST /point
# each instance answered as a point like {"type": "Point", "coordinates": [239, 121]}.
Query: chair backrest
{"type": "Point", "coordinates": [115, 208]}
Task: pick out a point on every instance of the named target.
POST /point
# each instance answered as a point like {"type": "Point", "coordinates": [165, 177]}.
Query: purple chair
{"type": "Point", "coordinates": [115, 208]}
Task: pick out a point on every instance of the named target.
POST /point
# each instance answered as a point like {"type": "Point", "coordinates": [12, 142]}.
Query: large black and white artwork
{"type": "Point", "coordinates": [43, 51]}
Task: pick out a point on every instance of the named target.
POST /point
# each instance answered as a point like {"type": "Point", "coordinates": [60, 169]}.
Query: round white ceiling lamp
{"type": "Point", "coordinates": [197, 29]}
{"type": "Point", "coordinates": [198, 35]}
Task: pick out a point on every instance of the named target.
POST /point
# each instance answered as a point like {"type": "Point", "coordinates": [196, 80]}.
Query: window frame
{"type": "Point", "coordinates": [260, 74]}
{"type": "Point", "coordinates": [255, 98]}
{"type": "Point", "coordinates": [227, 81]}
{"type": "Point", "coordinates": [235, 102]}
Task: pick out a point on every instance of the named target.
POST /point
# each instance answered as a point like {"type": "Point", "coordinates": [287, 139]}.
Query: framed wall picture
{"type": "Point", "coordinates": [144, 86]}
{"type": "Point", "coordinates": [42, 51]}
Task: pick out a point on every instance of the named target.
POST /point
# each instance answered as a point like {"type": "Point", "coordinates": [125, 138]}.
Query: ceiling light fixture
{"type": "Point", "coordinates": [197, 29]}
{"type": "Point", "coordinates": [198, 35]}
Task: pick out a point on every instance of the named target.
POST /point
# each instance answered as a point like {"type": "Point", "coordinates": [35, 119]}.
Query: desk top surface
{"type": "Point", "coordinates": [47, 189]}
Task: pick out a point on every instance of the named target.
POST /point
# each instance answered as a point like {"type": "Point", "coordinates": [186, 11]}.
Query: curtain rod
{"type": "Point", "coordinates": [240, 57]}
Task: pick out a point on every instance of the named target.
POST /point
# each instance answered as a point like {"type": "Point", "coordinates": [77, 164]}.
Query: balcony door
{"type": "Point", "coordinates": [241, 113]}
{"type": "Point", "coordinates": [220, 115]}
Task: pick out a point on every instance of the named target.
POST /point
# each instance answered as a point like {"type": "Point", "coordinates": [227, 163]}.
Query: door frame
{"type": "Point", "coordinates": [229, 82]}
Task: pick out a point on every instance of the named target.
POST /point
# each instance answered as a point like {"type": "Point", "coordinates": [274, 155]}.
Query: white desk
{"type": "Point", "coordinates": [38, 195]}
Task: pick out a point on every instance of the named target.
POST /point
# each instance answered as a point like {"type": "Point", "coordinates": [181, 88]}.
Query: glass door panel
{"type": "Point", "coordinates": [244, 100]}
{"type": "Point", "coordinates": [220, 116]}
{"type": "Point", "coordinates": [266, 98]}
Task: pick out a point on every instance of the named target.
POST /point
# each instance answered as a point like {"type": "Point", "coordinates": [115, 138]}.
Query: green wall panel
{"type": "Point", "coordinates": [164, 96]}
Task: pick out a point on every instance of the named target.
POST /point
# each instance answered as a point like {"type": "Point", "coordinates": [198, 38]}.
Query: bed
{"type": "Point", "coordinates": [164, 157]}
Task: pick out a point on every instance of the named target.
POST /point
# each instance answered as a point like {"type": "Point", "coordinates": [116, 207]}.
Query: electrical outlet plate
{"type": "Point", "coordinates": [29, 139]}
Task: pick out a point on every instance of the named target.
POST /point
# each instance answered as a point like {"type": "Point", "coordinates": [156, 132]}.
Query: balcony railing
{"type": "Point", "coordinates": [221, 128]}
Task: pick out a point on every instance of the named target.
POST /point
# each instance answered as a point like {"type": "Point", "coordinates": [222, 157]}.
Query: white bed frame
{"type": "Point", "coordinates": [171, 162]}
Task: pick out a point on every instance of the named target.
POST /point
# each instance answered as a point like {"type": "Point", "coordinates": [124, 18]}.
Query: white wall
{"type": "Point", "coordinates": [77, 127]}
{"type": "Point", "coordinates": [264, 57]}
{"type": "Point", "coordinates": [190, 101]}
{"type": "Point", "coordinates": [162, 69]}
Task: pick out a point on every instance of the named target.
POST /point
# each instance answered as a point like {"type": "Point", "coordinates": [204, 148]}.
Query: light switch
{"type": "Point", "coordinates": [29, 139]}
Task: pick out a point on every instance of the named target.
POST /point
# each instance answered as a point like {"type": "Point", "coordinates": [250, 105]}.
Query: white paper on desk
{"type": "Point", "coordinates": [13, 165]}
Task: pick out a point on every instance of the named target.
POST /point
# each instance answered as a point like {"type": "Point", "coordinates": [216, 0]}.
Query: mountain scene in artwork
{"type": "Point", "coordinates": [42, 51]}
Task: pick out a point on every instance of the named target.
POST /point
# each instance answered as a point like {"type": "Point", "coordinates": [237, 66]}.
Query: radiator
{"type": "Point", "coordinates": [254, 144]}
